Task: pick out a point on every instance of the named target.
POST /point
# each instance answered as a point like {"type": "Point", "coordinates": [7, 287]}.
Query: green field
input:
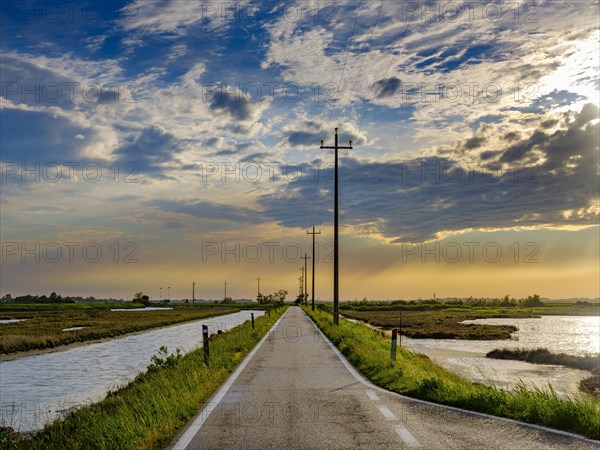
{"type": "Point", "coordinates": [44, 323]}
{"type": "Point", "coordinates": [442, 320]}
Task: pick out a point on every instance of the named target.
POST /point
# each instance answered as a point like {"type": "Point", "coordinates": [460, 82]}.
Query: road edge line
{"type": "Point", "coordinates": [359, 377]}
{"type": "Point", "coordinates": [197, 423]}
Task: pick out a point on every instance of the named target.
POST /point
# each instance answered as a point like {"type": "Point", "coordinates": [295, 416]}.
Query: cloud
{"type": "Point", "coordinates": [426, 198]}
{"type": "Point", "coordinates": [386, 87]}
{"type": "Point", "coordinates": [237, 105]}
{"type": "Point", "coordinates": [151, 151]}
{"type": "Point", "coordinates": [206, 210]}
{"type": "Point", "coordinates": [55, 138]}
{"type": "Point", "coordinates": [173, 18]}
{"type": "Point", "coordinates": [309, 133]}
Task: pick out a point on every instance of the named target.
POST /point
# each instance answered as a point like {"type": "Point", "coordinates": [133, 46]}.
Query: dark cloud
{"type": "Point", "coordinates": [488, 154]}
{"type": "Point", "coordinates": [310, 134]}
{"type": "Point", "coordinates": [386, 87]}
{"type": "Point", "coordinates": [519, 150]}
{"type": "Point", "coordinates": [305, 138]}
{"type": "Point", "coordinates": [512, 136]}
{"type": "Point", "coordinates": [151, 150]}
{"type": "Point", "coordinates": [206, 210]}
{"type": "Point", "coordinates": [227, 152]}
{"type": "Point", "coordinates": [257, 157]}
{"type": "Point", "coordinates": [234, 104]}
{"type": "Point", "coordinates": [474, 142]}
{"type": "Point", "coordinates": [412, 201]}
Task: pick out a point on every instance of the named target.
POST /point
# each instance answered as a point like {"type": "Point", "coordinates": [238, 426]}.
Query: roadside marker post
{"type": "Point", "coordinates": [205, 343]}
{"type": "Point", "coordinates": [394, 344]}
{"type": "Point", "coordinates": [400, 334]}
{"type": "Point", "coordinates": [252, 318]}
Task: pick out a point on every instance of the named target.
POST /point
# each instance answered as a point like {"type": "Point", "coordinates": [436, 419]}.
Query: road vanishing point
{"type": "Point", "coordinates": [296, 391]}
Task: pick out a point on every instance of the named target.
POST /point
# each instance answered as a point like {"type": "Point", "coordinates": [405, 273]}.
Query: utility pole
{"type": "Point", "coordinates": [336, 259]}
{"type": "Point", "coordinates": [305, 257]}
{"type": "Point", "coordinates": [312, 292]}
{"type": "Point", "coordinates": [169, 293]}
{"type": "Point", "coordinates": [225, 290]}
{"type": "Point", "coordinates": [258, 279]}
{"type": "Point", "coordinates": [160, 293]}
{"type": "Point", "coordinates": [193, 291]}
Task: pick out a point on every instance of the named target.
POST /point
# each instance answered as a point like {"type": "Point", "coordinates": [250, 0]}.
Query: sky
{"type": "Point", "coordinates": [149, 144]}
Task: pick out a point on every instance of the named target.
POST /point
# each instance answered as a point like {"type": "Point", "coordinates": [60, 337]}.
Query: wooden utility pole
{"type": "Point", "coordinates": [225, 290]}
{"type": "Point", "coordinates": [193, 291]}
{"type": "Point", "coordinates": [258, 279]}
{"type": "Point", "coordinates": [336, 259]}
{"type": "Point", "coordinates": [312, 292]}
{"type": "Point", "coordinates": [305, 257]}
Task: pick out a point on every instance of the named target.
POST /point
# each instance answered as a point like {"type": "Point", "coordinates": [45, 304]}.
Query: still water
{"type": "Point", "coordinates": [573, 335]}
{"type": "Point", "coordinates": [37, 389]}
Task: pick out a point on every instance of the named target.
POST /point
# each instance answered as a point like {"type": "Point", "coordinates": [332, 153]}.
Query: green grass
{"type": "Point", "coordinates": [439, 320]}
{"type": "Point", "coordinates": [43, 327]}
{"type": "Point", "coordinates": [567, 308]}
{"type": "Point", "coordinates": [14, 307]}
{"type": "Point", "coordinates": [148, 412]}
{"type": "Point", "coordinates": [591, 385]}
{"type": "Point", "coordinates": [443, 324]}
{"type": "Point", "coordinates": [417, 376]}
{"type": "Point", "coordinates": [544, 356]}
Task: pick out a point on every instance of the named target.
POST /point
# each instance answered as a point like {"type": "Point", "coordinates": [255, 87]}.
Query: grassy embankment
{"type": "Point", "coordinates": [442, 320]}
{"type": "Point", "coordinates": [44, 323]}
{"type": "Point", "coordinates": [149, 411]}
{"type": "Point", "coordinates": [417, 376]}
{"type": "Point", "coordinates": [590, 385]}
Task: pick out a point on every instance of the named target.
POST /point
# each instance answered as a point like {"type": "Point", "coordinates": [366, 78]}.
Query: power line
{"type": "Point", "coordinates": [390, 63]}
{"type": "Point", "coordinates": [317, 212]}
{"type": "Point", "coordinates": [322, 200]}
{"type": "Point", "coordinates": [345, 60]}
{"type": "Point", "coordinates": [369, 102]}
{"type": "Point", "coordinates": [361, 63]}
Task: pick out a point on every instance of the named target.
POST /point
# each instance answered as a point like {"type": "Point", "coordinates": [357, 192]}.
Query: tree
{"type": "Point", "coordinates": [532, 301]}
{"type": "Point", "coordinates": [142, 298]}
{"type": "Point", "coordinates": [277, 297]}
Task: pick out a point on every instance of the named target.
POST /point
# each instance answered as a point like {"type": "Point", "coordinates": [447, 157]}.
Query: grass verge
{"type": "Point", "coordinates": [149, 411]}
{"type": "Point", "coordinates": [417, 376]}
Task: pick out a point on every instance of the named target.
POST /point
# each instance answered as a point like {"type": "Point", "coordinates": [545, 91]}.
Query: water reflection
{"type": "Point", "coordinates": [573, 335]}
{"type": "Point", "coordinates": [37, 389]}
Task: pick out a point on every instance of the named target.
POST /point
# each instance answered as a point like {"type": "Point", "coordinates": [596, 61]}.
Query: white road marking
{"type": "Point", "coordinates": [368, 383]}
{"type": "Point", "coordinates": [372, 395]}
{"type": "Point", "coordinates": [405, 435]}
{"type": "Point", "coordinates": [187, 437]}
{"type": "Point", "coordinates": [386, 412]}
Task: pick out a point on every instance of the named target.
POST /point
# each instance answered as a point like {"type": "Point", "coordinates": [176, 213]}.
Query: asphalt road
{"type": "Point", "coordinates": [295, 392]}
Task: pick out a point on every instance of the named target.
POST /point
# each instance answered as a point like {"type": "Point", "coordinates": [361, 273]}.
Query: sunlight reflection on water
{"type": "Point", "coordinates": [37, 389]}
{"type": "Point", "coordinates": [573, 335]}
